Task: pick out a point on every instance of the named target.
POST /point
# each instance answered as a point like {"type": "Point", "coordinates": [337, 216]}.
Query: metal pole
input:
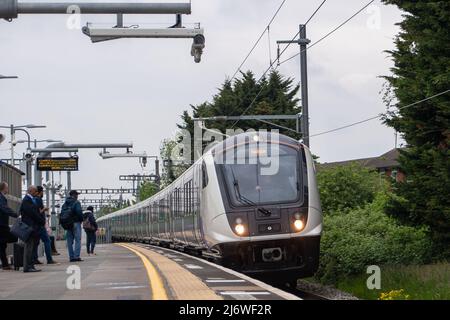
{"type": "Point", "coordinates": [104, 8]}
{"type": "Point", "coordinates": [12, 145]}
{"type": "Point", "coordinates": [157, 171]}
{"type": "Point", "coordinates": [36, 176]}
{"type": "Point", "coordinates": [69, 181]}
{"type": "Point", "coordinates": [47, 190]}
{"type": "Point", "coordinates": [53, 195]}
{"type": "Point", "coordinates": [303, 41]}
{"type": "Point", "coordinates": [10, 9]}
{"type": "Point", "coordinates": [28, 173]}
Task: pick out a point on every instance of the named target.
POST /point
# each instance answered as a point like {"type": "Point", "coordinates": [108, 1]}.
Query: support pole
{"type": "Point", "coordinates": [12, 145]}
{"type": "Point", "coordinates": [303, 41]}
{"type": "Point", "coordinates": [47, 190]}
{"type": "Point", "coordinates": [10, 9]}
{"type": "Point", "coordinates": [29, 172]}
{"type": "Point", "coordinates": [157, 171]}
{"type": "Point", "coordinates": [69, 181]}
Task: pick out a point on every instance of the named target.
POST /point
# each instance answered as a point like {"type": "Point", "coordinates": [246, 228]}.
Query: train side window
{"type": "Point", "coordinates": [204, 175]}
{"type": "Point", "coordinates": [161, 210]}
{"type": "Point", "coordinates": [175, 203]}
{"type": "Point", "coordinates": [190, 197]}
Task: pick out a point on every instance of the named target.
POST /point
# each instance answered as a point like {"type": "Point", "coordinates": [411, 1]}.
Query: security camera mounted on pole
{"type": "Point", "coordinates": [10, 9]}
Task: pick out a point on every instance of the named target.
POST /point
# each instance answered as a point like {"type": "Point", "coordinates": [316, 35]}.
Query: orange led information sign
{"type": "Point", "coordinates": [57, 164]}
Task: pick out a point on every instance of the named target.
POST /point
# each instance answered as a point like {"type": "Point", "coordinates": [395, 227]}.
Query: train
{"type": "Point", "coordinates": [250, 203]}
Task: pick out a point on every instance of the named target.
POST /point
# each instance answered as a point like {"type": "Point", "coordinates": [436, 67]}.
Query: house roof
{"type": "Point", "coordinates": [386, 160]}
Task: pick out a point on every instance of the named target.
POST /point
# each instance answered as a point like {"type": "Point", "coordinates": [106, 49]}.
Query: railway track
{"type": "Point", "coordinates": [301, 294]}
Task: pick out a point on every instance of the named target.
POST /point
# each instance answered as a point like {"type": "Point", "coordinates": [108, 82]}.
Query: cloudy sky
{"type": "Point", "coordinates": [135, 89]}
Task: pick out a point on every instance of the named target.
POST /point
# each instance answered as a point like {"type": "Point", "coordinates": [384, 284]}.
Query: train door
{"type": "Point", "coordinates": [181, 212]}
{"type": "Point", "coordinates": [188, 212]}
{"type": "Point", "coordinates": [147, 221]}
{"type": "Point", "coordinates": [196, 195]}
{"type": "Point", "coordinates": [170, 215]}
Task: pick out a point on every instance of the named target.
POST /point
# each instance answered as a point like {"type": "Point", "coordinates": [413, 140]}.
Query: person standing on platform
{"type": "Point", "coordinates": [33, 218]}
{"type": "Point", "coordinates": [43, 235]}
{"type": "Point", "coordinates": [5, 234]}
{"type": "Point", "coordinates": [73, 235]}
{"type": "Point", "coordinates": [90, 227]}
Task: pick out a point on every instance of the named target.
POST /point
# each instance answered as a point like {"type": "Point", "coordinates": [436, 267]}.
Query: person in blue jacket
{"type": "Point", "coordinates": [73, 236]}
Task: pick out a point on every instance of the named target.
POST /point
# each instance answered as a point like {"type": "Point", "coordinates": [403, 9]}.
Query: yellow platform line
{"type": "Point", "coordinates": [156, 282]}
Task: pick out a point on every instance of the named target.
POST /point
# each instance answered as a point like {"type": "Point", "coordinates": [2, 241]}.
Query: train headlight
{"type": "Point", "coordinates": [299, 225]}
{"type": "Point", "coordinates": [240, 229]}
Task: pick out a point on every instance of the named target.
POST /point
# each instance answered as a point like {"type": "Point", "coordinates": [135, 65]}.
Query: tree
{"type": "Point", "coordinates": [422, 69]}
{"type": "Point", "coordinates": [343, 188]}
{"type": "Point", "coordinates": [172, 169]}
{"type": "Point", "coordinates": [147, 190]}
{"type": "Point", "coordinates": [277, 95]}
{"type": "Point", "coordinates": [272, 95]}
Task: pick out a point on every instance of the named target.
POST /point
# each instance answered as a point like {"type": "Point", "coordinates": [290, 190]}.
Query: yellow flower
{"type": "Point", "coordinates": [394, 295]}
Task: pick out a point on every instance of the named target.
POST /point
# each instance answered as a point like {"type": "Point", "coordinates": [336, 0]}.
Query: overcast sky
{"type": "Point", "coordinates": [135, 89]}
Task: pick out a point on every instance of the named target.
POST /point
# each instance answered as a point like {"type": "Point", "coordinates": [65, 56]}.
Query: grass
{"type": "Point", "coordinates": [425, 282]}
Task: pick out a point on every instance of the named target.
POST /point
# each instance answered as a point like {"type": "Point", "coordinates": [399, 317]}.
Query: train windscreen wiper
{"type": "Point", "coordinates": [245, 200]}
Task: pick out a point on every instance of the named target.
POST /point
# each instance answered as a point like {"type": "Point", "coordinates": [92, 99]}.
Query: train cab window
{"type": "Point", "coordinates": [281, 185]}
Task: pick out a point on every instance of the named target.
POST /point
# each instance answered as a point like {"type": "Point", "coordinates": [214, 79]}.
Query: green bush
{"type": "Point", "coordinates": [348, 187]}
{"type": "Point", "coordinates": [366, 236]}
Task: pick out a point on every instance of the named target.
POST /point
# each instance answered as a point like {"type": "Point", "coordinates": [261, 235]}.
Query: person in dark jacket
{"type": "Point", "coordinates": [5, 234]}
{"type": "Point", "coordinates": [31, 216]}
{"type": "Point", "coordinates": [74, 235]}
{"type": "Point", "coordinates": [90, 227]}
{"type": "Point", "coordinates": [43, 235]}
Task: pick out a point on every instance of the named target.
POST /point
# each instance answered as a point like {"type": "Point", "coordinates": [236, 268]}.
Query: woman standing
{"type": "Point", "coordinates": [90, 227]}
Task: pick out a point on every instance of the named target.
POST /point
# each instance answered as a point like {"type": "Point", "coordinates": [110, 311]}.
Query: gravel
{"type": "Point", "coordinates": [327, 292]}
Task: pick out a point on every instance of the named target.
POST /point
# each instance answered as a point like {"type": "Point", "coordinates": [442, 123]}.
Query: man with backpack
{"type": "Point", "coordinates": [70, 219]}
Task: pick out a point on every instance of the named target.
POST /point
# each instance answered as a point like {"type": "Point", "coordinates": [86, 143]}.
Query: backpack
{"type": "Point", "coordinates": [87, 226]}
{"type": "Point", "coordinates": [66, 217]}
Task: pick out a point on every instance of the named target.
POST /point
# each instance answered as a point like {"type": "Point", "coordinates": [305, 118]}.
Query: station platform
{"type": "Point", "coordinates": [134, 272]}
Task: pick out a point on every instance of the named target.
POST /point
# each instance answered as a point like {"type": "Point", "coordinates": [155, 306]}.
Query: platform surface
{"type": "Point", "coordinates": [134, 272]}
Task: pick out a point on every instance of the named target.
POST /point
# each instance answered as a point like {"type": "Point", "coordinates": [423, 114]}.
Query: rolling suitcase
{"type": "Point", "coordinates": [18, 251]}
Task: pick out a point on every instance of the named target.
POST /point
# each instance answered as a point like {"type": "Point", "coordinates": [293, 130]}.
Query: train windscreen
{"type": "Point", "coordinates": [253, 178]}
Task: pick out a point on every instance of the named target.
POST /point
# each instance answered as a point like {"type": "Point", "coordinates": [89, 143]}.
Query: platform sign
{"type": "Point", "coordinates": [57, 164]}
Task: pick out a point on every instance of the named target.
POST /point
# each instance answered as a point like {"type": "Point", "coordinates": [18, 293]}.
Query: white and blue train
{"type": "Point", "coordinates": [227, 207]}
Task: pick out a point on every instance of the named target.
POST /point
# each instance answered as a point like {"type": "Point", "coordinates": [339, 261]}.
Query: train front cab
{"type": "Point", "coordinates": [279, 214]}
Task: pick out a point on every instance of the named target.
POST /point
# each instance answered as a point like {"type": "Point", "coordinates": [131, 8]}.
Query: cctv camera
{"type": "Point", "coordinates": [14, 143]}
{"type": "Point", "coordinates": [197, 47]}
{"type": "Point", "coordinates": [144, 161]}
{"type": "Point", "coordinates": [28, 156]}
{"type": "Point", "coordinates": [2, 138]}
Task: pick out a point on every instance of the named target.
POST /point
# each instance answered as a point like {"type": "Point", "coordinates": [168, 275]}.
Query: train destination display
{"type": "Point", "coordinates": [57, 164]}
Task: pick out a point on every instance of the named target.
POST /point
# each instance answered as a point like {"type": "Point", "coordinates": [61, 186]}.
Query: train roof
{"type": "Point", "coordinates": [244, 138]}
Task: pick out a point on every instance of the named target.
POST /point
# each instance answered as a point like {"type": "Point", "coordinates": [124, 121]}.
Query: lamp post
{"type": "Point", "coordinates": [28, 156]}
{"type": "Point", "coordinates": [35, 147]}
{"type": "Point", "coordinates": [13, 129]}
